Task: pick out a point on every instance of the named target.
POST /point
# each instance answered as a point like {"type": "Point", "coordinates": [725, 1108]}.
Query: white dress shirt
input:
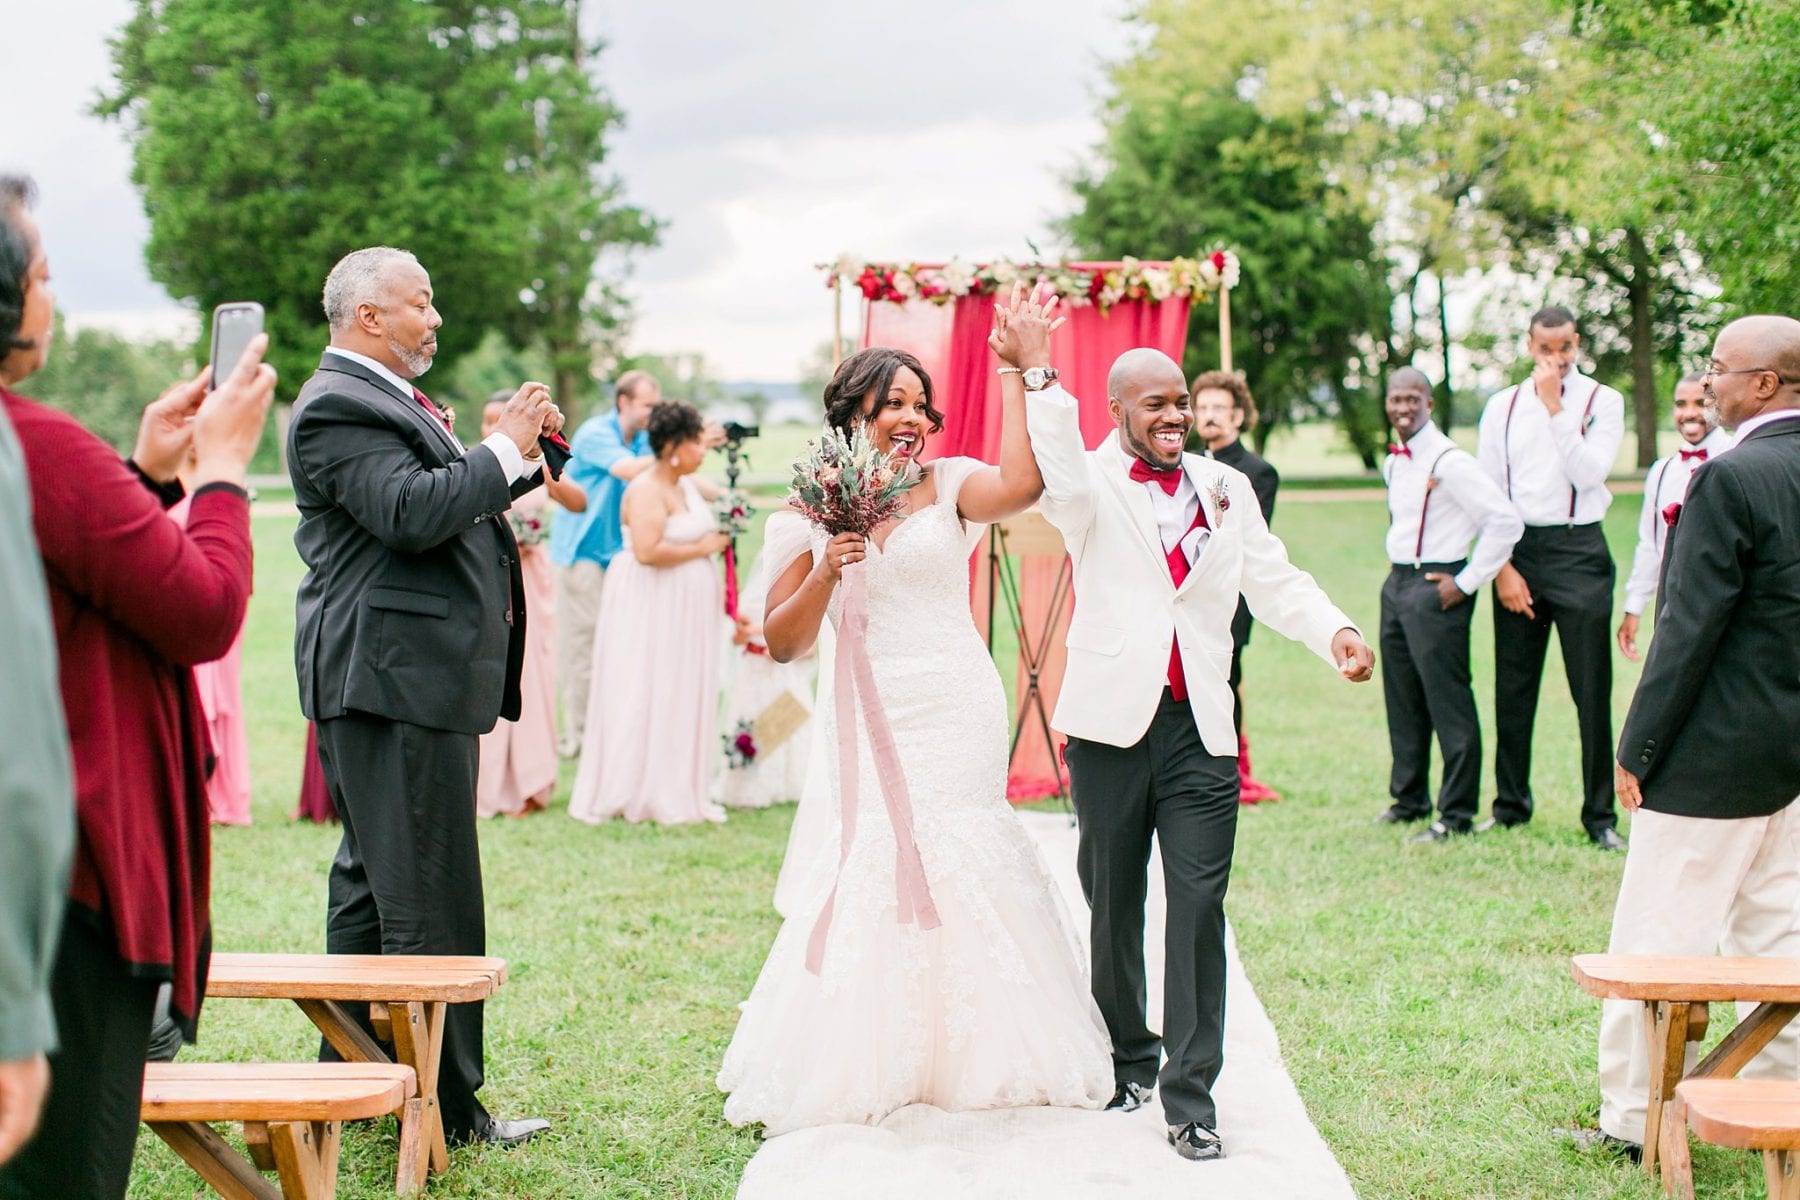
{"type": "Point", "coordinates": [1759, 420]}
{"type": "Point", "coordinates": [1542, 462]}
{"type": "Point", "coordinates": [1666, 484]}
{"type": "Point", "coordinates": [512, 461]}
{"type": "Point", "coordinates": [1436, 523]}
{"type": "Point", "coordinates": [1175, 516]}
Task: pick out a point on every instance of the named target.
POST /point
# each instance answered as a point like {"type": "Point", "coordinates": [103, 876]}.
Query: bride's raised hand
{"type": "Point", "coordinates": [840, 551]}
{"type": "Point", "coordinates": [1022, 333]}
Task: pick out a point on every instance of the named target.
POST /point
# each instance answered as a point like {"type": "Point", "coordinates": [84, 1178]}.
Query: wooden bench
{"type": "Point", "coordinates": [1675, 993]}
{"type": "Point", "coordinates": [292, 1115]}
{"type": "Point", "coordinates": [406, 995]}
{"type": "Point", "coordinates": [1748, 1114]}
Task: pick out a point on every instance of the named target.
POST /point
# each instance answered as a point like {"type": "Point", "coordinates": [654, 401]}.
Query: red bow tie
{"type": "Point", "coordinates": [1167, 478]}
{"type": "Point", "coordinates": [1400, 451]}
{"type": "Point", "coordinates": [1689, 455]}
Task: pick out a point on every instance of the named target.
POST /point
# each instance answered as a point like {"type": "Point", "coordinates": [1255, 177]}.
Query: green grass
{"type": "Point", "coordinates": [1422, 994]}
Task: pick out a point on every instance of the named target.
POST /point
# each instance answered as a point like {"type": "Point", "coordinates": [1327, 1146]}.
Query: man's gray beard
{"type": "Point", "coordinates": [415, 361]}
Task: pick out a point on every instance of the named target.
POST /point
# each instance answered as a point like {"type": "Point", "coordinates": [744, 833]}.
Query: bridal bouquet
{"type": "Point", "coordinates": [846, 485]}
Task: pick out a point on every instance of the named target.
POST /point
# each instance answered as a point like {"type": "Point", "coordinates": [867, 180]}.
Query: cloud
{"type": "Point", "coordinates": [769, 137]}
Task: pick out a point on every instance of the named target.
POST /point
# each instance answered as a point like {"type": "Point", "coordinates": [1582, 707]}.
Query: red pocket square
{"type": "Point", "coordinates": [1672, 514]}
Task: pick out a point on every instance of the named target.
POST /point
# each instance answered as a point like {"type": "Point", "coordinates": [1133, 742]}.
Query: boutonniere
{"type": "Point", "coordinates": [1220, 497]}
{"type": "Point", "coordinates": [1672, 514]}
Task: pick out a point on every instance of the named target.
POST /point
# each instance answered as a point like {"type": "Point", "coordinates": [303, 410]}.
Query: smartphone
{"type": "Point", "coordinates": [233, 326]}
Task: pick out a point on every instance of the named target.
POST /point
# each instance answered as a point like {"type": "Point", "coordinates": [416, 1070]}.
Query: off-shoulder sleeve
{"type": "Point", "coordinates": [951, 474]}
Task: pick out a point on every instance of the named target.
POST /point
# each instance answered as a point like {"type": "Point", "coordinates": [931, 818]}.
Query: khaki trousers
{"type": "Point", "coordinates": [577, 613]}
{"type": "Point", "coordinates": [1696, 886]}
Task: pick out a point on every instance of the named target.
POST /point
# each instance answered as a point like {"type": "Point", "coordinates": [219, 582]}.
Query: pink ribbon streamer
{"type": "Point", "coordinates": [855, 681]}
{"type": "Point", "coordinates": [731, 581]}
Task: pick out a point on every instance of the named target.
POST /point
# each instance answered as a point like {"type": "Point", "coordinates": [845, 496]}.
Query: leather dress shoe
{"type": "Point", "coordinates": [1393, 814]}
{"type": "Point", "coordinates": [1608, 839]}
{"type": "Point", "coordinates": [1599, 1139]}
{"type": "Point", "coordinates": [1437, 831]}
{"type": "Point", "coordinates": [1493, 823]}
{"type": "Point", "coordinates": [1129, 1097]}
{"type": "Point", "coordinates": [504, 1133]}
{"type": "Point", "coordinates": [1196, 1142]}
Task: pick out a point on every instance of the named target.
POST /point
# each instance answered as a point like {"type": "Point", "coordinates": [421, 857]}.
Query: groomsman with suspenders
{"type": "Point", "coordinates": [1549, 443]}
{"type": "Point", "coordinates": [1438, 501]}
{"type": "Point", "coordinates": [1666, 485]}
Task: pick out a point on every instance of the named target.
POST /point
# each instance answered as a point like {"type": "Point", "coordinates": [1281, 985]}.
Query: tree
{"type": "Point", "coordinates": [105, 381]}
{"type": "Point", "coordinates": [271, 138]}
{"type": "Point", "coordinates": [1186, 164]}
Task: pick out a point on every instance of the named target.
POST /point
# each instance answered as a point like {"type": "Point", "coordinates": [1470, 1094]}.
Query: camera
{"type": "Point", "coordinates": [735, 432]}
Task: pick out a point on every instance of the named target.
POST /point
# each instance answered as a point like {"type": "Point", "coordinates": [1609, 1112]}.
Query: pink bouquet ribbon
{"type": "Point", "coordinates": [855, 682]}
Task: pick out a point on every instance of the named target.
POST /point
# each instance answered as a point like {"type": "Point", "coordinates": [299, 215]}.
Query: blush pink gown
{"type": "Point", "coordinates": [652, 742]}
{"type": "Point", "coordinates": [221, 691]}
{"type": "Point", "coordinates": [518, 758]}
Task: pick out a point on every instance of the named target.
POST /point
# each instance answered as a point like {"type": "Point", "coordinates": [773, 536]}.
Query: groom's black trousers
{"type": "Point", "coordinates": [1167, 784]}
{"type": "Point", "coordinates": [407, 876]}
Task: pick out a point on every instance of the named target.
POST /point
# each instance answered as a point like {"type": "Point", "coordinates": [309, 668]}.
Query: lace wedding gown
{"type": "Point", "coordinates": [991, 1009]}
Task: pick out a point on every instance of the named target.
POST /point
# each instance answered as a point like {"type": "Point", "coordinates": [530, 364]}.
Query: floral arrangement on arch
{"type": "Point", "coordinates": [740, 746]}
{"type": "Point", "coordinates": [1193, 279]}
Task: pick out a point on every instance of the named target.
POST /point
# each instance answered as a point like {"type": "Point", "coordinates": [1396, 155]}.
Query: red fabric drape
{"type": "Point", "coordinates": [951, 343]}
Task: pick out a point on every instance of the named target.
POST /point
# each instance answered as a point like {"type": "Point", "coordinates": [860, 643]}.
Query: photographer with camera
{"type": "Point", "coordinates": [608, 451]}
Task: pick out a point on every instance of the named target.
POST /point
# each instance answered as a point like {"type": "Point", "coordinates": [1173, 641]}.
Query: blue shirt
{"type": "Point", "coordinates": [595, 535]}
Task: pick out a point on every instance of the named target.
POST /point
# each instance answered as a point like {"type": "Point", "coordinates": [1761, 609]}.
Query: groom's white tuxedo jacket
{"type": "Point", "coordinates": [1127, 607]}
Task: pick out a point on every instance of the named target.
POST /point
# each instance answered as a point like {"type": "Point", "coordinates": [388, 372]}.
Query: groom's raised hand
{"type": "Point", "coordinates": [1355, 661]}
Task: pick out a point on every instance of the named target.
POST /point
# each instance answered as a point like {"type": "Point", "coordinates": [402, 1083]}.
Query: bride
{"type": "Point", "coordinates": [990, 1008]}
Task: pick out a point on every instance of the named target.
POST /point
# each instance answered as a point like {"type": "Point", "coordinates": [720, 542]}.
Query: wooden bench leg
{"type": "Point", "coordinates": [342, 1031]}
{"type": "Point", "coordinates": [256, 1140]}
{"type": "Point", "coordinates": [215, 1161]}
{"type": "Point", "coordinates": [419, 1043]}
{"type": "Point", "coordinates": [1746, 1041]}
{"type": "Point", "coordinates": [1781, 1171]}
{"type": "Point", "coordinates": [413, 1158]}
{"type": "Point", "coordinates": [1665, 1026]}
{"type": "Point", "coordinates": [1677, 1157]}
{"type": "Point", "coordinates": [306, 1158]}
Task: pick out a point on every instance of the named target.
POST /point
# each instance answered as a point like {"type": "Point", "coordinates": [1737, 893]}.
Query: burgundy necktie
{"type": "Point", "coordinates": [1167, 478]}
{"type": "Point", "coordinates": [1178, 571]}
{"type": "Point", "coordinates": [1691, 455]}
{"type": "Point", "coordinates": [435, 411]}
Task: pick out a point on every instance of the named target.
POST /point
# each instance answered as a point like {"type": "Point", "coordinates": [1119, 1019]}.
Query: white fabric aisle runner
{"type": "Point", "coordinates": [1273, 1152]}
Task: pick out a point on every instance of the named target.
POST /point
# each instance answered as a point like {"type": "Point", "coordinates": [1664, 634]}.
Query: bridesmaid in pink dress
{"type": "Point", "coordinates": [652, 743]}
{"type": "Point", "coordinates": [220, 687]}
{"type": "Point", "coordinates": [518, 764]}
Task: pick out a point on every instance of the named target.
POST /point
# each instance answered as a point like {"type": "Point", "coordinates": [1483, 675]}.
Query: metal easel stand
{"type": "Point", "coordinates": [1003, 578]}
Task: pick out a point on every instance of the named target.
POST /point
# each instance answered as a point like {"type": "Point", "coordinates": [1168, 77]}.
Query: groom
{"type": "Point", "coordinates": [1163, 544]}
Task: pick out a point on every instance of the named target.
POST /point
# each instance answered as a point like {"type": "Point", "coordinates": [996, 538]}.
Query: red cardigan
{"type": "Point", "coordinates": [136, 601]}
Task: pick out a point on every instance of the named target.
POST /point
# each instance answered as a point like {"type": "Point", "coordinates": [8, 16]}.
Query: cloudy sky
{"type": "Point", "coordinates": [770, 136]}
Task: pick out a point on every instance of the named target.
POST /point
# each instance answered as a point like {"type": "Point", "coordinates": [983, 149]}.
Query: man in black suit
{"type": "Point", "coordinates": [410, 633]}
{"type": "Point", "coordinates": [1709, 760]}
{"type": "Point", "coordinates": [1223, 409]}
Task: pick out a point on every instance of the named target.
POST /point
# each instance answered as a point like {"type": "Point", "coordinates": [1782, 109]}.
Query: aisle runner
{"type": "Point", "coordinates": [924, 1153]}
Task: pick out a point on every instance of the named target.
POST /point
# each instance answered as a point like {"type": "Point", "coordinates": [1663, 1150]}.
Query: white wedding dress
{"type": "Point", "coordinates": [991, 1009]}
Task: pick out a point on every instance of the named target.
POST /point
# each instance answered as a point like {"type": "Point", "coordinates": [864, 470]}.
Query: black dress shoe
{"type": "Point", "coordinates": [1393, 814]}
{"type": "Point", "coordinates": [1129, 1097]}
{"type": "Point", "coordinates": [1196, 1142]}
{"type": "Point", "coordinates": [503, 1133]}
{"type": "Point", "coordinates": [1493, 823]}
{"type": "Point", "coordinates": [1437, 831]}
{"type": "Point", "coordinates": [1608, 839]}
{"type": "Point", "coordinates": [1599, 1139]}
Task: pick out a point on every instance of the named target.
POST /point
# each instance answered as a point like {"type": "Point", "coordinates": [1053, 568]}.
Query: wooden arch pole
{"type": "Point", "coordinates": [837, 322]}
{"type": "Point", "coordinates": [1224, 327]}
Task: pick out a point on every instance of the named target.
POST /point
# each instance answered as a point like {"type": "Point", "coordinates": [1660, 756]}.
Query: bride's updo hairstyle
{"type": "Point", "coordinates": [671, 423]}
{"type": "Point", "coordinates": [872, 371]}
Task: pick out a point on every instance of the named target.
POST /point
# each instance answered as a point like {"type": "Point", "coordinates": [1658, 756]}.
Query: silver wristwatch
{"type": "Point", "coordinates": [1038, 378]}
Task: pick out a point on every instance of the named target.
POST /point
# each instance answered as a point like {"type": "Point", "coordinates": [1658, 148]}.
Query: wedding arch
{"type": "Point", "coordinates": [942, 313]}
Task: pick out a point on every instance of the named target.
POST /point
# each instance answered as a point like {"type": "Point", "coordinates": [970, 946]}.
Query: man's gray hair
{"type": "Point", "coordinates": [360, 277]}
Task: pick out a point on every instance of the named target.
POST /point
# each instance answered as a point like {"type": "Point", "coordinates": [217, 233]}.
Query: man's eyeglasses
{"type": "Point", "coordinates": [1712, 371]}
